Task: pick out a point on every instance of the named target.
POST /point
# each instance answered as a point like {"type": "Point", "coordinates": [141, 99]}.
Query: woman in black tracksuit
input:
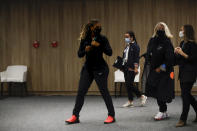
{"type": "Point", "coordinates": [160, 58]}
{"type": "Point", "coordinates": [186, 57]}
{"type": "Point", "coordinates": [93, 45]}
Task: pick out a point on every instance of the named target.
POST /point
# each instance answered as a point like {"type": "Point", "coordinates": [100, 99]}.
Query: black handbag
{"type": "Point", "coordinates": [118, 63]}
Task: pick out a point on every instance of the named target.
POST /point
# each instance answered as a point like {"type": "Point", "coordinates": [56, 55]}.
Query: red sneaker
{"type": "Point", "coordinates": [109, 120]}
{"type": "Point", "coordinates": [74, 119]}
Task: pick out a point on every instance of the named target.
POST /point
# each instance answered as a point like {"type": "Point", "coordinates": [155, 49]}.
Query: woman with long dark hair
{"type": "Point", "coordinates": [93, 45]}
{"type": "Point", "coordinates": [186, 56]}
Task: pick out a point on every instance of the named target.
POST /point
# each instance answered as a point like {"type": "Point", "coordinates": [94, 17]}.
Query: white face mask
{"type": "Point", "coordinates": [181, 35]}
{"type": "Point", "coordinates": [127, 40]}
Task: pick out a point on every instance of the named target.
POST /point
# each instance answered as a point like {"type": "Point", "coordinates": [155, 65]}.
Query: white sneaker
{"type": "Point", "coordinates": [143, 100]}
{"type": "Point", "coordinates": [166, 115]}
{"type": "Point", "coordinates": [160, 116]}
{"type": "Point", "coordinates": [128, 104]}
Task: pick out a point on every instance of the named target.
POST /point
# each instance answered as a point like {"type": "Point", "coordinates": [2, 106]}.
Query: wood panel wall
{"type": "Point", "coordinates": [58, 69]}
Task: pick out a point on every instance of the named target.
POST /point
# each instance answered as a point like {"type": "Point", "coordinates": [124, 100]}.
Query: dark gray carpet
{"type": "Point", "coordinates": [47, 113]}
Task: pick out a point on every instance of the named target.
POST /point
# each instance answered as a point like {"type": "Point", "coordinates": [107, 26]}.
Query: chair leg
{"type": "Point", "coordinates": [25, 87]}
{"type": "Point", "coordinates": [1, 89]}
{"type": "Point", "coordinates": [120, 89]}
{"type": "Point", "coordinates": [21, 86]}
{"type": "Point", "coordinates": [115, 89]}
{"type": "Point", "coordinates": [10, 88]}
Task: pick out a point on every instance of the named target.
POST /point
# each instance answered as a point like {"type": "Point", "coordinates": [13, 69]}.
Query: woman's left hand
{"type": "Point", "coordinates": [158, 70]}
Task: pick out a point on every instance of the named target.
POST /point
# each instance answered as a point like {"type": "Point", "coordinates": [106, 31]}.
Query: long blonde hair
{"type": "Point", "coordinates": [166, 29]}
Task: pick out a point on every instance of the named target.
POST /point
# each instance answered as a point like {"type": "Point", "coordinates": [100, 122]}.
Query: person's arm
{"type": "Point", "coordinates": [106, 47]}
{"type": "Point", "coordinates": [169, 54]}
{"type": "Point", "coordinates": [192, 57]}
{"type": "Point", "coordinates": [169, 57]}
{"type": "Point", "coordinates": [178, 57]}
{"type": "Point", "coordinates": [148, 51]}
{"type": "Point", "coordinates": [134, 60]}
{"type": "Point", "coordinates": [136, 56]}
{"type": "Point", "coordinates": [81, 51]}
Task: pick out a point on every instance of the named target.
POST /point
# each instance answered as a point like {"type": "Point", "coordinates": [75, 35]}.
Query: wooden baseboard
{"type": "Point", "coordinates": [74, 93]}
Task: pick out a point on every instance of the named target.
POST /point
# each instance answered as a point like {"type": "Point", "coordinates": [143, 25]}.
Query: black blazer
{"type": "Point", "coordinates": [133, 56]}
{"type": "Point", "coordinates": [187, 67]}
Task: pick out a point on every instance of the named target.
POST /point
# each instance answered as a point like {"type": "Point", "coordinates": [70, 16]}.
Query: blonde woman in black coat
{"type": "Point", "coordinates": [160, 57]}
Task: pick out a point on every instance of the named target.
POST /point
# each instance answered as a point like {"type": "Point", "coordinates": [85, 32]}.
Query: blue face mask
{"type": "Point", "coordinates": [127, 40]}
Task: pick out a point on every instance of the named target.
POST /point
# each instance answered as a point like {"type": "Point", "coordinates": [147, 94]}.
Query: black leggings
{"type": "Point", "coordinates": [86, 78]}
{"type": "Point", "coordinates": [129, 80]}
{"type": "Point", "coordinates": [187, 99]}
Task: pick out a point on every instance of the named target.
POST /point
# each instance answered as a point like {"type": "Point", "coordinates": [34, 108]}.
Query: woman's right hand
{"type": "Point", "coordinates": [176, 50]}
{"type": "Point", "coordinates": [95, 43]}
{"type": "Point", "coordinates": [88, 48]}
{"type": "Point", "coordinates": [158, 70]}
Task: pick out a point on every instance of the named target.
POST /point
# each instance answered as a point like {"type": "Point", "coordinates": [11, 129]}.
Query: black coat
{"type": "Point", "coordinates": [160, 85]}
{"type": "Point", "coordinates": [187, 67]}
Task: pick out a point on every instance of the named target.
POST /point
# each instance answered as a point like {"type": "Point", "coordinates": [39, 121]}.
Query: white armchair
{"type": "Point", "coordinates": [14, 74]}
{"type": "Point", "coordinates": [119, 78]}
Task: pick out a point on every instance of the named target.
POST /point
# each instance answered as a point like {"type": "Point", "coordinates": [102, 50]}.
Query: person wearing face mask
{"type": "Point", "coordinates": [160, 58]}
{"type": "Point", "coordinates": [186, 58]}
{"type": "Point", "coordinates": [131, 64]}
{"type": "Point", "coordinates": [92, 46]}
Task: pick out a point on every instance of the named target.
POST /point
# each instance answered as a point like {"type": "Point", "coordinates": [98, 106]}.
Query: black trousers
{"type": "Point", "coordinates": [187, 99]}
{"type": "Point", "coordinates": [129, 81]}
{"type": "Point", "coordinates": [86, 78]}
{"type": "Point", "coordinates": [162, 105]}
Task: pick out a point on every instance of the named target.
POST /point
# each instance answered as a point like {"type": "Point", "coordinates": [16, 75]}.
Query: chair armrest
{"type": "Point", "coordinates": [3, 76]}
{"type": "Point", "coordinates": [3, 73]}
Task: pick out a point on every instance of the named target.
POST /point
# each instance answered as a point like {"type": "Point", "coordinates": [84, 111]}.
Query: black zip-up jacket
{"type": "Point", "coordinates": [94, 58]}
